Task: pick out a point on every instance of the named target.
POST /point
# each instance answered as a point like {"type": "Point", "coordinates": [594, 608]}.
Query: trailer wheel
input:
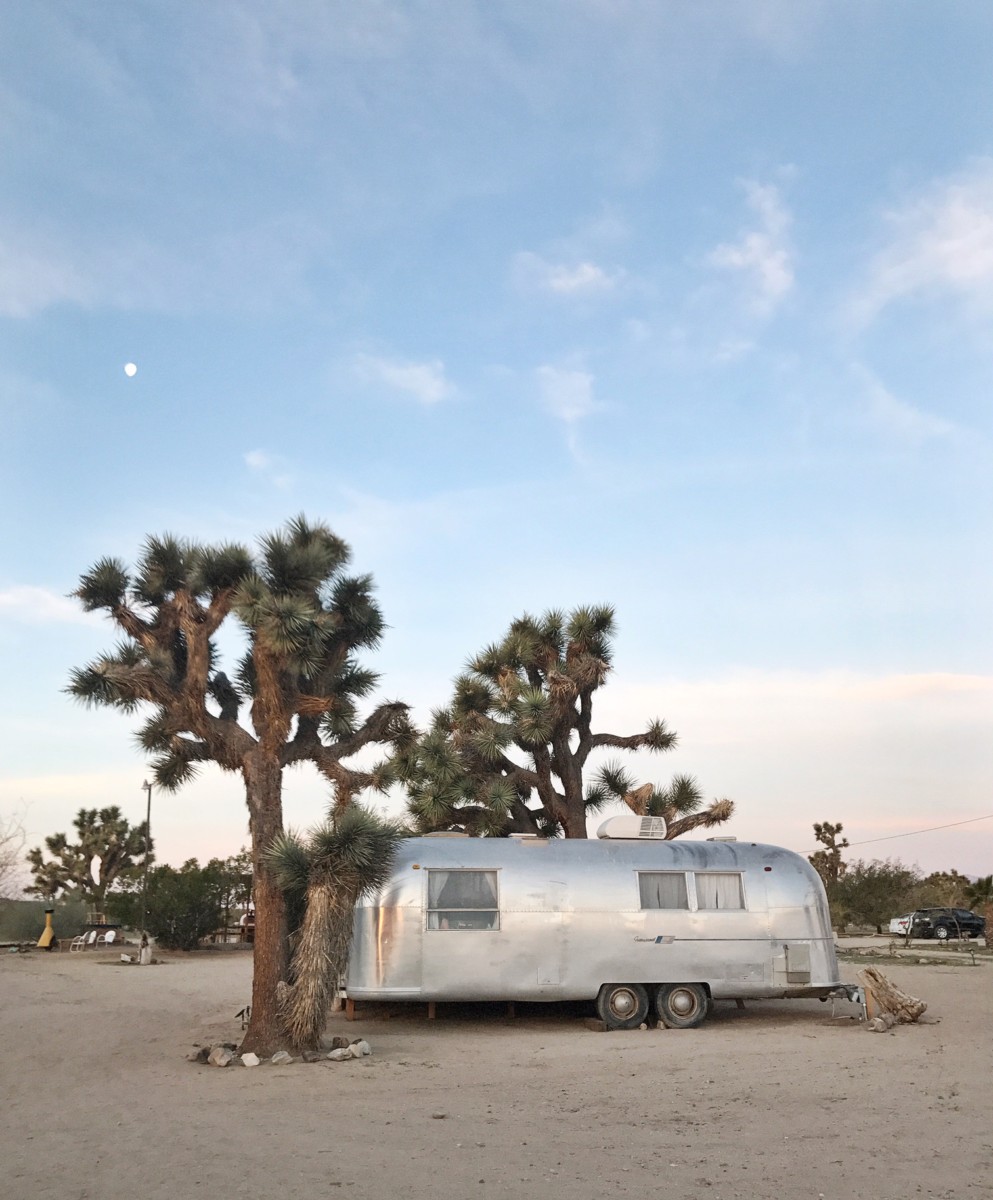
{"type": "Point", "coordinates": [622, 1005]}
{"type": "Point", "coordinates": [682, 1005]}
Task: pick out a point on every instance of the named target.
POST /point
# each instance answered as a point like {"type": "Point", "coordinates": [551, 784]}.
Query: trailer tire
{"type": "Point", "coordinates": [622, 1005]}
{"type": "Point", "coordinates": [682, 1005]}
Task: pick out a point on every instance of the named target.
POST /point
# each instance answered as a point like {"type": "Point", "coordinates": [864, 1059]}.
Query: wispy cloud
{"type": "Point", "coordinates": [940, 242]}
{"type": "Point", "coordinates": [566, 392]}
{"type": "Point", "coordinates": [272, 466]}
{"type": "Point", "coordinates": [39, 606]}
{"type": "Point", "coordinates": [581, 278]}
{"type": "Point", "coordinates": [762, 255]}
{"type": "Point", "coordinates": [249, 268]}
{"type": "Point", "coordinates": [425, 381]}
{"type": "Point", "coordinates": [899, 418]}
{"type": "Point", "coordinates": [33, 280]}
{"type": "Point", "coordinates": [732, 349]}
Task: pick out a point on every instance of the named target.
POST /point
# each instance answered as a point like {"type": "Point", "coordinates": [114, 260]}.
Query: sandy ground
{"type": "Point", "coordinates": [779, 1100]}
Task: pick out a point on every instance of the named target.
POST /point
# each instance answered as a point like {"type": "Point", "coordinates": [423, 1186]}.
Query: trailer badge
{"type": "Point", "coordinates": [661, 940]}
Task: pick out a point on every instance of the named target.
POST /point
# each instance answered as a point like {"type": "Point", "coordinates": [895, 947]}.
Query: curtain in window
{"type": "Point", "coordinates": [719, 890]}
{"type": "Point", "coordinates": [663, 889]}
{"type": "Point", "coordinates": [462, 900]}
{"type": "Point", "coordinates": [462, 889]}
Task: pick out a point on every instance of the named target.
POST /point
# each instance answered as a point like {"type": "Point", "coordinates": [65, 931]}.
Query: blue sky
{"type": "Point", "coordinates": [685, 308]}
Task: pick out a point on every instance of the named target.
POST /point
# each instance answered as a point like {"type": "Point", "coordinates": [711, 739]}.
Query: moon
{"type": "Point", "coordinates": [130, 369]}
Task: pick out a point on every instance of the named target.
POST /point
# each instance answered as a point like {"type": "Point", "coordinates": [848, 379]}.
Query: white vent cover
{"type": "Point", "coordinates": [631, 827]}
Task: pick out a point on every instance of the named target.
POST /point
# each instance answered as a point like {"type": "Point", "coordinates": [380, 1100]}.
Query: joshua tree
{"type": "Point", "coordinates": [508, 754]}
{"type": "Point", "coordinates": [329, 871]}
{"type": "Point", "coordinates": [104, 839]}
{"type": "Point", "coordinates": [680, 804]}
{"type": "Point", "coordinates": [828, 862]}
{"type": "Point", "coordinates": [297, 686]}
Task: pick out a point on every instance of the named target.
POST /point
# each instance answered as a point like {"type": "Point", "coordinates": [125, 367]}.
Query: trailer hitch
{"type": "Point", "coordinates": [853, 993]}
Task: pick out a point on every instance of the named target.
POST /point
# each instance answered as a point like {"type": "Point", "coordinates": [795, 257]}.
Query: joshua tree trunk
{"type": "Point", "coordinates": [347, 857]}
{"type": "Point", "coordinates": [319, 961]}
{"type": "Point", "coordinates": [265, 1034]}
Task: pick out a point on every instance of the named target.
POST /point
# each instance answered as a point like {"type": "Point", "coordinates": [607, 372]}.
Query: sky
{"type": "Point", "coordinates": [682, 308]}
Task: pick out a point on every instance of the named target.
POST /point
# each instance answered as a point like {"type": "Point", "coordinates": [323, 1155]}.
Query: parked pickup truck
{"type": "Point", "coordinates": [940, 923]}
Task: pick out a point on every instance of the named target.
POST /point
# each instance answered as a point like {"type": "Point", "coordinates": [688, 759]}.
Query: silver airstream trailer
{"type": "Point", "coordinates": [628, 920]}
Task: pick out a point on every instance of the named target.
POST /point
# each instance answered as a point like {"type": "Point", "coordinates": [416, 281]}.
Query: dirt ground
{"type": "Point", "coordinates": [776, 1100]}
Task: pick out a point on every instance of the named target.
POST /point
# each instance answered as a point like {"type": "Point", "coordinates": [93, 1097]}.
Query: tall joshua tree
{"type": "Point", "coordinates": [293, 699]}
{"type": "Point", "coordinates": [828, 862]}
{"type": "Point", "coordinates": [104, 838]}
{"type": "Point", "coordinates": [327, 872]}
{"type": "Point", "coordinates": [509, 753]}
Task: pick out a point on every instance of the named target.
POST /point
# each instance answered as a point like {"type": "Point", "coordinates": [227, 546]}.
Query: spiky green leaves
{"type": "Point", "coordinates": [119, 680]}
{"type": "Point", "coordinates": [472, 696]}
{"type": "Point", "coordinates": [354, 850]}
{"type": "Point", "coordinates": [301, 558]}
{"type": "Point", "coordinates": [164, 567]}
{"type": "Point", "coordinates": [659, 737]}
{"type": "Point", "coordinates": [288, 857]}
{"type": "Point", "coordinates": [614, 779]}
{"type": "Point", "coordinates": [220, 568]}
{"type": "Point", "coordinates": [359, 619]}
{"type": "Point", "coordinates": [532, 718]}
{"type": "Point", "coordinates": [590, 632]}
{"type": "Point", "coordinates": [682, 797]}
{"type": "Point", "coordinates": [105, 586]}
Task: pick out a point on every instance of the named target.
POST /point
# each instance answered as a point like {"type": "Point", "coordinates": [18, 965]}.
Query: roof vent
{"type": "Point", "coordinates": [632, 827]}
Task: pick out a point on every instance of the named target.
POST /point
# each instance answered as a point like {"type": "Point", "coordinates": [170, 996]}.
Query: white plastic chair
{"type": "Point", "coordinates": [84, 941]}
{"type": "Point", "coordinates": [108, 938]}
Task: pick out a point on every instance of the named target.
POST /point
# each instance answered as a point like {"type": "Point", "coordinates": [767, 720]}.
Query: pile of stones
{"type": "Point", "coordinates": [225, 1054]}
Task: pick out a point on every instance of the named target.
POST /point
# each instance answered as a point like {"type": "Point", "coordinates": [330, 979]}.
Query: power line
{"type": "Point", "coordinates": [911, 833]}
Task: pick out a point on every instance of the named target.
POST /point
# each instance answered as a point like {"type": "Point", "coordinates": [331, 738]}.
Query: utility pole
{"type": "Point", "coordinates": [144, 953]}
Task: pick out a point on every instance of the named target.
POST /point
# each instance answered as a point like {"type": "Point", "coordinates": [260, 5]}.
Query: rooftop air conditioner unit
{"type": "Point", "coordinates": [632, 827]}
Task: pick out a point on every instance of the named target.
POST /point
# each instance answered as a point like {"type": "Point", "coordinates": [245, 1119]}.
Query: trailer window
{"type": "Point", "coordinates": [663, 889]}
{"type": "Point", "coordinates": [719, 890]}
{"type": "Point", "coordinates": [463, 900]}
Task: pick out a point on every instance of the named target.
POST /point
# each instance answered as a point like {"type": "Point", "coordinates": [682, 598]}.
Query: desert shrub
{"type": "Point", "coordinates": [185, 904]}
{"type": "Point", "coordinates": [869, 893]}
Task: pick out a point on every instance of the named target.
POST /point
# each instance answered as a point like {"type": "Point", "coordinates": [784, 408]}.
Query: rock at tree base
{"type": "Point", "coordinates": [250, 1060]}
{"type": "Point", "coordinates": [335, 1043]}
{"type": "Point", "coordinates": [220, 1056]}
{"type": "Point", "coordinates": [282, 1058]}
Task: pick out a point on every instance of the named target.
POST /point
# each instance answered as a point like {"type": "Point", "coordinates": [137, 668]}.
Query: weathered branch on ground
{"type": "Point", "coordinates": [896, 1006]}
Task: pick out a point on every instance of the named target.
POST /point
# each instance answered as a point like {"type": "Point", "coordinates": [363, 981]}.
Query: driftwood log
{"type": "Point", "coordinates": [895, 1007]}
